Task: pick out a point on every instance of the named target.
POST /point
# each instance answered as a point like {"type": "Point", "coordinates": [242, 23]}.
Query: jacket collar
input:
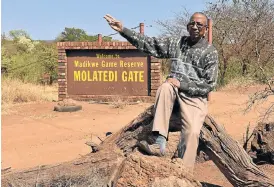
{"type": "Point", "coordinates": [201, 43]}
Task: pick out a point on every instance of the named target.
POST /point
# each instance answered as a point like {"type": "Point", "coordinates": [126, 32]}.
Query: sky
{"type": "Point", "coordinates": [45, 19]}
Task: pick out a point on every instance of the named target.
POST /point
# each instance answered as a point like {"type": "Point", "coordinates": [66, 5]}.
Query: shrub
{"type": "Point", "coordinates": [16, 91]}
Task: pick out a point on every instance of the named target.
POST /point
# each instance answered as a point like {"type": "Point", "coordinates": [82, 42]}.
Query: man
{"type": "Point", "coordinates": [194, 69]}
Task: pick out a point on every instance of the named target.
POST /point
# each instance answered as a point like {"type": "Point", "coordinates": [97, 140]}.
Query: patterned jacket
{"type": "Point", "coordinates": [195, 66]}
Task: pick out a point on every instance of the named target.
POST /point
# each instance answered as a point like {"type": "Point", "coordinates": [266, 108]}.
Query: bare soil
{"type": "Point", "coordinates": [33, 134]}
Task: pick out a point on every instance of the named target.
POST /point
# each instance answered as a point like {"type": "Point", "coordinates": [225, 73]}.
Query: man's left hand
{"type": "Point", "coordinates": [174, 81]}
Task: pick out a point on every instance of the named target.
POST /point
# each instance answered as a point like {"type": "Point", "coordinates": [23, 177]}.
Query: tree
{"type": "Point", "coordinates": [48, 57]}
{"type": "Point", "coordinates": [242, 34]}
{"type": "Point", "coordinates": [16, 34]}
{"type": "Point", "coordinates": [244, 30]}
{"type": "Point", "coordinates": [5, 59]}
{"type": "Point", "coordinates": [73, 34]}
{"type": "Point", "coordinates": [176, 26]}
{"type": "Point", "coordinates": [77, 35]}
{"type": "Point", "coordinates": [26, 59]}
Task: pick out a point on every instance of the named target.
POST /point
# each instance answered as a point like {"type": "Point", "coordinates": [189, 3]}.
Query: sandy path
{"type": "Point", "coordinates": [35, 135]}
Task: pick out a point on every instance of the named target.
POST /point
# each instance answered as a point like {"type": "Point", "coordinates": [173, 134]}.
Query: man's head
{"type": "Point", "coordinates": [197, 26]}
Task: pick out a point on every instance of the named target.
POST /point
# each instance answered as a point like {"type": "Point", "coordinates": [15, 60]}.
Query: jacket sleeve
{"type": "Point", "coordinates": [156, 47]}
{"type": "Point", "coordinates": [207, 82]}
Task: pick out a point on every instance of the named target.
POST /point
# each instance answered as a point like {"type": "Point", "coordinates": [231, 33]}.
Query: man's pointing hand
{"type": "Point", "coordinates": [114, 24]}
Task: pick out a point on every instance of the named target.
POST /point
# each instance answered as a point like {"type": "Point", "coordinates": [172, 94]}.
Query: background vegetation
{"type": "Point", "coordinates": [242, 33]}
{"type": "Point", "coordinates": [26, 63]}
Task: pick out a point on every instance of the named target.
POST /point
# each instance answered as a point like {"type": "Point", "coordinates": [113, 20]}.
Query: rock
{"type": "Point", "coordinates": [94, 147]}
{"type": "Point", "coordinates": [141, 170]}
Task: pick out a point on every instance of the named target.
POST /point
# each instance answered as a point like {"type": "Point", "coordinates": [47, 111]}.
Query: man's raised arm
{"type": "Point", "coordinates": [158, 48]}
{"type": "Point", "coordinates": [155, 47]}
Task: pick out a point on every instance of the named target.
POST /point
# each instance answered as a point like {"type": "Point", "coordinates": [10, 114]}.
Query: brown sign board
{"type": "Point", "coordinates": [108, 72]}
{"type": "Point", "coordinates": [103, 71]}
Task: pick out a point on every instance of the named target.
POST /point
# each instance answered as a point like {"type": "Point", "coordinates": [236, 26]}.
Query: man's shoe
{"type": "Point", "coordinates": [151, 139]}
{"type": "Point", "coordinates": [153, 149]}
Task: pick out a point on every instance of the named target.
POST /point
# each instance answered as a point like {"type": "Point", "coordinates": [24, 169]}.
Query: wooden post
{"type": "Point", "coordinates": [100, 39]}
{"type": "Point", "coordinates": [209, 21]}
{"type": "Point", "coordinates": [209, 31]}
{"type": "Point", "coordinates": [142, 28]}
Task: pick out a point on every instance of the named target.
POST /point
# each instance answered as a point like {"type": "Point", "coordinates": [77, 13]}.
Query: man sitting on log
{"type": "Point", "coordinates": [194, 69]}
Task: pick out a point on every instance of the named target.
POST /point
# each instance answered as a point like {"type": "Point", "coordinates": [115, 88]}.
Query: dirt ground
{"type": "Point", "coordinates": [33, 134]}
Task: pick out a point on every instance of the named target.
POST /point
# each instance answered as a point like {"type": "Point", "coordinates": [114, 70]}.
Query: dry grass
{"type": "Point", "coordinates": [14, 91]}
{"type": "Point", "coordinates": [118, 102]}
{"type": "Point", "coordinates": [237, 83]}
{"type": "Point", "coordinates": [242, 86]}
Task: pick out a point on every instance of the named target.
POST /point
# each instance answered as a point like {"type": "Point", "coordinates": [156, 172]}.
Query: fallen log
{"type": "Point", "coordinates": [229, 156]}
{"type": "Point", "coordinates": [226, 153]}
{"type": "Point", "coordinates": [119, 163]}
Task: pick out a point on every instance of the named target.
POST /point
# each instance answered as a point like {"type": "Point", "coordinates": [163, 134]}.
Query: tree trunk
{"type": "Point", "coordinates": [223, 74]}
{"type": "Point", "coordinates": [244, 67]}
{"type": "Point", "coordinates": [119, 163]}
{"type": "Point", "coordinates": [223, 66]}
{"type": "Point", "coordinates": [230, 157]}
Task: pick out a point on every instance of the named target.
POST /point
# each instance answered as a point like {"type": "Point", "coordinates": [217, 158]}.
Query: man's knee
{"type": "Point", "coordinates": [193, 132]}
{"type": "Point", "coordinates": [166, 87]}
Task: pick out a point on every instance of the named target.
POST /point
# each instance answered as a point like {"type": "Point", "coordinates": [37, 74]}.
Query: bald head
{"type": "Point", "coordinates": [200, 16]}
{"type": "Point", "coordinates": [197, 26]}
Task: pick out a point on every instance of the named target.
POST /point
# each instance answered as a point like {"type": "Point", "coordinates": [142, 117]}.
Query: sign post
{"type": "Point", "coordinates": [210, 42]}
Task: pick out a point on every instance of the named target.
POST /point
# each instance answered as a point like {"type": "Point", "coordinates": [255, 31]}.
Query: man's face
{"type": "Point", "coordinates": [197, 26]}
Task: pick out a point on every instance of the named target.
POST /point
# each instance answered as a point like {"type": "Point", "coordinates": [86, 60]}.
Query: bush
{"type": "Point", "coordinates": [16, 91]}
{"type": "Point", "coordinates": [29, 60]}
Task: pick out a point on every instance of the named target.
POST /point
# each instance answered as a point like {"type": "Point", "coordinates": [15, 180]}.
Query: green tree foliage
{"type": "Point", "coordinates": [72, 34]}
{"type": "Point", "coordinates": [5, 58]}
{"type": "Point", "coordinates": [48, 57]}
{"type": "Point", "coordinates": [28, 60]}
{"type": "Point", "coordinates": [78, 35]}
{"type": "Point", "coordinates": [16, 34]}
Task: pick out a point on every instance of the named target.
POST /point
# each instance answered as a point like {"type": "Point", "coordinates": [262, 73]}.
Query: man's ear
{"type": "Point", "coordinates": [206, 30]}
{"type": "Point", "coordinates": [187, 28]}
